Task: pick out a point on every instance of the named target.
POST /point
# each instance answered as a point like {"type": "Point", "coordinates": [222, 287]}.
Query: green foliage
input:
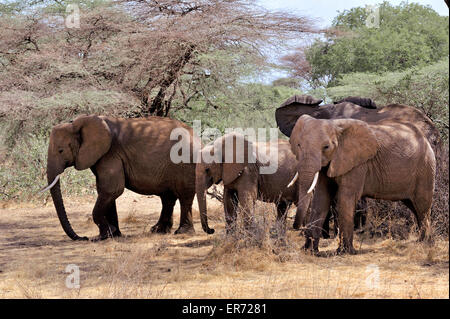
{"type": "Point", "coordinates": [24, 135]}
{"type": "Point", "coordinates": [247, 105]}
{"type": "Point", "coordinates": [409, 35]}
{"type": "Point", "coordinates": [426, 88]}
{"type": "Point", "coordinates": [23, 147]}
{"type": "Point", "coordinates": [41, 113]}
{"type": "Point", "coordinates": [24, 172]}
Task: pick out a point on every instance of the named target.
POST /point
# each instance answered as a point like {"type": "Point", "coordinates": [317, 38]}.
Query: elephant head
{"type": "Point", "coordinates": [332, 146]}
{"type": "Point", "coordinates": [81, 144]}
{"type": "Point", "coordinates": [288, 113]}
{"type": "Point", "coordinates": [224, 160]}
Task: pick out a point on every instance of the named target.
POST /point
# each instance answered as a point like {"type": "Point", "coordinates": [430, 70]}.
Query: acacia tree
{"type": "Point", "coordinates": [154, 50]}
{"type": "Point", "coordinates": [179, 34]}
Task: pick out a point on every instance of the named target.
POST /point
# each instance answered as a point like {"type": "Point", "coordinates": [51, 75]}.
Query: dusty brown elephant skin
{"type": "Point", "coordinates": [122, 153]}
{"type": "Point", "coordinates": [389, 160]}
{"type": "Point", "coordinates": [356, 108]}
{"type": "Point", "coordinates": [361, 101]}
{"type": "Point", "coordinates": [288, 113]}
{"type": "Point", "coordinates": [243, 182]}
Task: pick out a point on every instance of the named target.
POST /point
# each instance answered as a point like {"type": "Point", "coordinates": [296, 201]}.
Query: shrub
{"type": "Point", "coordinates": [23, 173]}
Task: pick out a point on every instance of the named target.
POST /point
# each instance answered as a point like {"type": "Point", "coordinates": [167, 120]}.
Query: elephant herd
{"type": "Point", "coordinates": [337, 154]}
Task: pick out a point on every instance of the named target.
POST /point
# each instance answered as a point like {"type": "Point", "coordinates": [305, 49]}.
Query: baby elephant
{"type": "Point", "coordinates": [249, 171]}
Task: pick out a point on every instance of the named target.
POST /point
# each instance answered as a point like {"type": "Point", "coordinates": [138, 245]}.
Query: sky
{"type": "Point", "coordinates": [323, 12]}
{"type": "Point", "coordinates": [326, 10]}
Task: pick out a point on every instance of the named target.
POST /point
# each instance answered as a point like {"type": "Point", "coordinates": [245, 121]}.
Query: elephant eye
{"type": "Point", "coordinates": [326, 147]}
{"type": "Point", "coordinates": [60, 151]}
{"type": "Point", "coordinates": [207, 170]}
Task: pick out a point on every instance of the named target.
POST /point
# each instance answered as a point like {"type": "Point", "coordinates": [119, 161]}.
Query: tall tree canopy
{"type": "Point", "coordinates": [147, 51]}
{"type": "Point", "coordinates": [407, 35]}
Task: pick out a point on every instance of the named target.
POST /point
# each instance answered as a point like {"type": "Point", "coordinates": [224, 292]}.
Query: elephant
{"type": "Point", "coordinates": [361, 101]}
{"type": "Point", "coordinates": [287, 114]}
{"type": "Point", "coordinates": [243, 180]}
{"type": "Point", "coordinates": [356, 108]}
{"type": "Point", "coordinates": [123, 153]}
{"type": "Point", "coordinates": [345, 159]}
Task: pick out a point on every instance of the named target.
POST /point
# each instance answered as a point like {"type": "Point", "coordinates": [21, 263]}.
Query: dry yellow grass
{"type": "Point", "coordinates": [34, 254]}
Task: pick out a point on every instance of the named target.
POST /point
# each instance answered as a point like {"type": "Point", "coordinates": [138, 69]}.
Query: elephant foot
{"type": "Point", "coordinates": [110, 233]}
{"type": "Point", "coordinates": [312, 245]}
{"type": "Point", "coordinates": [99, 238]}
{"type": "Point", "coordinates": [185, 229]}
{"type": "Point", "coordinates": [117, 233]}
{"type": "Point", "coordinates": [308, 244]}
{"type": "Point", "coordinates": [161, 228]}
{"type": "Point", "coordinates": [346, 250]}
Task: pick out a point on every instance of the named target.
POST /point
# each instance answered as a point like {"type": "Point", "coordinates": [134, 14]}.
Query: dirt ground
{"type": "Point", "coordinates": [35, 254]}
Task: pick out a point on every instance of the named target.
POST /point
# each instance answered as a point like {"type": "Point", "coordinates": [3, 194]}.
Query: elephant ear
{"type": "Point", "coordinates": [356, 145]}
{"type": "Point", "coordinates": [95, 140]}
{"type": "Point", "coordinates": [235, 156]}
{"type": "Point", "coordinates": [294, 107]}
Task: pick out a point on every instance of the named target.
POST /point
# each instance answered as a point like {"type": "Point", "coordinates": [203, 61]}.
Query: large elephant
{"type": "Point", "coordinates": [123, 153]}
{"type": "Point", "coordinates": [361, 101]}
{"type": "Point", "coordinates": [287, 114]}
{"type": "Point", "coordinates": [243, 180]}
{"type": "Point", "coordinates": [345, 159]}
{"type": "Point", "coordinates": [356, 108]}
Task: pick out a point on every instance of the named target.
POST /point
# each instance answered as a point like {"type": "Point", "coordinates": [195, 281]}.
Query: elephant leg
{"type": "Point", "coordinates": [326, 226]}
{"type": "Point", "coordinates": [346, 208]}
{"type": "Point", "coordinates": [110, 185]}
{"type": "Point", "coordinates": [282, 209]}
{"type": "Point", "coordinates": [111, 217]}
{"type": "Point", "coordinates": [165, 222]}
{"type": "Point", "coordinates": [298, 222]}
{"type": "Point", "coordinates": [102, 217]}
{"type": "Point", "coordinates": [320, 208]}
{"type": "Point", "coordinates": [360, 214]}
{"type": "Point", "coordinates": [335, 218]}
{"type": "Point", "coordinates": [186, 223]}
{"type": "Point", "coordinates": [422, 211]}
{"type": "Point", "coordinates": [247, 201]}
{"type": "Point", "coordinates": [230, 204]}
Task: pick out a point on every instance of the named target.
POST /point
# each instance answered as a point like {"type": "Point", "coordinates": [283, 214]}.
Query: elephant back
{"type": "Point", "coordinates": [287, 114]}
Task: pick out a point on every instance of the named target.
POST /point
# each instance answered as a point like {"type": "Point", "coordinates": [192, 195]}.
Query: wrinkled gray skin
{"type": "Point", "coordinates": [361, 101]}
{"type": "Point", "coordinates": [123, 153]}
{"type": "Point", "coordinates": [388, 160]}
{"type": "Point", "coordinates": [288, 113]}
{"type": "Point", "coordinates": [243, 182]}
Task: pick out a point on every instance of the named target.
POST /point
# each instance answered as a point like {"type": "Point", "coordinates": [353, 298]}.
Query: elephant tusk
{"type": "Point", "coordinates": [293, 180]}
{"type": "Point", "coordinates": [51, 185]}
{"type": "Point", "coordinates": [311, 188]}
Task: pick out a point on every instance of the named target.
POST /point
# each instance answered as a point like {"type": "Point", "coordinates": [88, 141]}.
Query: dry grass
{"type": "Point", "coordinates": [34, 253]}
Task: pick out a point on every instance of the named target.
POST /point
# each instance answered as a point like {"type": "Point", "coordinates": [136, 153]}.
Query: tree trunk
{"type": "Point", "coordinates": [158, 106]}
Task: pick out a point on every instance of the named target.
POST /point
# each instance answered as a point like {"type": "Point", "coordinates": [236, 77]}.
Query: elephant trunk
{"type": "Point", "coordinates": [308, 177]}
{"type": "Point", "coordinates": [55, 191]}
{"type": "Point", "coordinates": [202, 183]}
